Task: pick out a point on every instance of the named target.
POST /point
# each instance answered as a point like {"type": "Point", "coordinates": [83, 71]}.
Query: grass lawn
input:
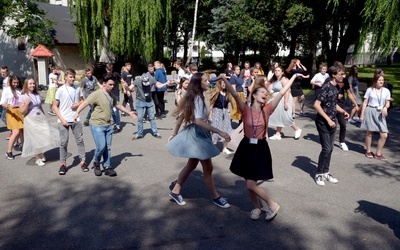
{"type": "Point", "coordinates": [392, 76]}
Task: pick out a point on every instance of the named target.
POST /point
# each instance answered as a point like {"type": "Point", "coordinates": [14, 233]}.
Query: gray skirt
{"type": "Point", "coordinates": [374, 121]}
{"type": "Point", "coordinates": [221, 121]}
{"type": "Point", "coordinates": [193, 142]}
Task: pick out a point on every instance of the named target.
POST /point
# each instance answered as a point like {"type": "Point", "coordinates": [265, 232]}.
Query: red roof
{"type": "Point", "coordinates": [41, 51]}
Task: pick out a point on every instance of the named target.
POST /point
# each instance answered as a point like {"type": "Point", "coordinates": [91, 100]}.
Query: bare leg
{"type": "Point", "coordinates": [184, 174]}
{"type": "Point", "coordinates": [381, 143]}
{"type": "Point", "coordinates": [254, 199]}
{"type": "Point", "coordinates": [302, 101]}
{"type": "Point", "coordinates": [294, 127]}
{"type": "Point", "coordinates": [14, 136]}
{"type": "Point", "coordinates": [208, 179]}
{"type": "Point", "coordinates": [295, 98]}
{"type": "Point", "coordinates": [278, 131]}
{"type": "Point", "coordinates": [368, 141]}
{"type": "Point", "coordinates": [260, 192]}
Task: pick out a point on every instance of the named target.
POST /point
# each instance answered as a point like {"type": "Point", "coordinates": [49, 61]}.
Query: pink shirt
{"type": "Point", "coordinates": [255, 117]}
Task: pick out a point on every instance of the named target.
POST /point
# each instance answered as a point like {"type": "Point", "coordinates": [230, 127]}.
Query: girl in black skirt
{"type": "Point", "coordinates": [252, 160]}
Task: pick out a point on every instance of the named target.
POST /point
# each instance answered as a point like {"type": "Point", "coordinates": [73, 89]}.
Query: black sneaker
{"type": "Point", "coordinates": [97, 170]}
{"type": "Point", "coordinates": [109, 171]}
{"type": "Point", "coordinates": [10, 155]}
{"type": "Point", "coordinates": [63, 170]}
{"type": "Point", "coordinates": [117, 129]}
{"type": "Point", "coordinates": [18, 147]}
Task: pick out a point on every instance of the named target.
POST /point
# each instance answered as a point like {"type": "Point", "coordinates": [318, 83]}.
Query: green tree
{"type": "Point", "coordinates": [381, 22]}
{"type": "Point", "coordinates": [125, 27]}
{"type": "Point", "coordinates": [28, 21]}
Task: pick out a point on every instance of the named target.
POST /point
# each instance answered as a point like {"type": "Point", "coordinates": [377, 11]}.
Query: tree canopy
{"type": "Point", "coordinates": [28, 21]}
{"type": "Point", "coordinates": [129, 27]}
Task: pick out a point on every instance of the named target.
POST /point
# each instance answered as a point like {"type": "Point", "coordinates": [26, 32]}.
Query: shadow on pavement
{"type": "Point", "coordinates": [381, 214]}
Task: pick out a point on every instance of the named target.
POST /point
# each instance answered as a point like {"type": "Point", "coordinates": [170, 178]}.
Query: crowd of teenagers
{"type": "Point", "coordinates": [258, 99]}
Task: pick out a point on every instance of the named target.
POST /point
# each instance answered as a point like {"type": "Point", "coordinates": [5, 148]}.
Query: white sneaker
{"type": "Point", "coordinates": [356, 118]}
{"type": "Point", "coordinates": [297, 134]}
{"type": "Point", "coordinates": [255, 214]}
{"type": "Point", "coordinates": [343, 146]}
{"type": "Point", "coordinates": [319, 180]}
{"type": "Point", "coordinates": [275, 138]}
{"type": "Point", "coordinates": [39, 162]}
{"type": "Point", "coordinates": [43, 158]}
{"type": "Point", "coordinates": [352, 121]}
{"type": "Point", "coordinates": [227, 151]}
{"type": "Point", "coordinates": [330, 178]}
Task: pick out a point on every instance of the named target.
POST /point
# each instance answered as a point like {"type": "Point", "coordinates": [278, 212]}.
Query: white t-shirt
{"type": "Point", "coordinates": [5, 82]}
{"type": "Point", "coordinates": [181, 73]}
{"type": "Point", "coordinates": [53, 78]}
{"type": "Point", "coordinates": [8, 98]}
{"type": "Point", "coordinates": [201, 110]}
{"type": "Point", "coordinates": [376, 99]}
{"type": "Point", "coordinates": [67, 95]}
{"type": "Point", "coordinates": [319, 78]}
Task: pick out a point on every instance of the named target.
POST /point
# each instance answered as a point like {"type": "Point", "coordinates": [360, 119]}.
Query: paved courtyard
{"type": "Point", "coordinates": [40, 209]}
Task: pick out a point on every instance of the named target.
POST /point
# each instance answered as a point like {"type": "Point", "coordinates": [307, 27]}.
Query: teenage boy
{"type": "Point", "coordinates": [115, 91]}
{"type": "Point", "coordinates": [127, 77]}
{"type": "Point", "coordinates": [67, 100]}
{"type": "Point", "coordinates": [327, 108]}
{"type": "Point", "coordinates": [161, 78]}
{"type": "Point", "coordinates": [144, 103]}
{"type": "Point", "coordinates": [88, 85]}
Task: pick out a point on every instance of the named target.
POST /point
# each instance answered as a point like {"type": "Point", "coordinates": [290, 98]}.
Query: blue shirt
{"type": "Point", "coordinates": [161, 77]}
{"type": "Point", "coordinates": [237, 81]}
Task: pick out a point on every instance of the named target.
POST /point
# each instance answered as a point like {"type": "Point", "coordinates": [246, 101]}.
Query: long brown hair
{"type": "Point", "coordinates": [185, 109]}
{"type": "Point", "coordinates": [13, 89]}
{"type": "Point", "coordinates": [25, 87]}
{"type": "Point", "coordinates": [218, 88]}
{"type": "Point", "coordinates": [375, 80]}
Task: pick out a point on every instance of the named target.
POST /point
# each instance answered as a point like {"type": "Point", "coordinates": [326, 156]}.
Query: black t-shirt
{"type": "Point", "coordinates": [342, 87]}
{"type": "Point", "coordinates": [328, 98]}
{"type": "Point", "coordinates": [127, 77]}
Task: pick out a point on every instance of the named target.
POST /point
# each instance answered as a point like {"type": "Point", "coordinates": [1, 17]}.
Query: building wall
{"type": "Point", "coordinates": [18, 61]}
{"type": "Point", "coordinates": [67, 56]}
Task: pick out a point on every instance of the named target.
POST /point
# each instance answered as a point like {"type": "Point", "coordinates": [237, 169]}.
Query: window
{"type": "Point", "coordinates": [21, 43]}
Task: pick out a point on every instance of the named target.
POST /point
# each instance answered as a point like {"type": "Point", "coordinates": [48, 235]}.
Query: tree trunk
{"type": "Point", "coordinates": [193, 32]}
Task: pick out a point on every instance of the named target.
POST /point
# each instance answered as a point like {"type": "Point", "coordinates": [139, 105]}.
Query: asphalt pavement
{"type": "Point", "coordinates": [39, 209]}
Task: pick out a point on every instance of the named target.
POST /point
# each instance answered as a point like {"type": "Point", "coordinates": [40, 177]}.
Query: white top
{"type": "Point", "coordinates": [5, 81]}
{"type": "Point", "coordinates": [376, 98]}
{"type": "Point", "coordinates": [53, 79]}
{"type": "Point", "coordinates": [68, 95]}
{"type": "Point", "coordinates": [181, 73]}
{"type": "Point", "coordinates": [201, 110]}
{"type": "Point", "coordinates": [8, 98]}
{"type": "Point", "coordinates": [270, 75]}
{"type": "Point", "coordinates": [320, 78]}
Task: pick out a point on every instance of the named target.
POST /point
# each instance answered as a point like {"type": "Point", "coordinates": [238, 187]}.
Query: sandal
{"type": "Point", "coordinates": [84, 167]}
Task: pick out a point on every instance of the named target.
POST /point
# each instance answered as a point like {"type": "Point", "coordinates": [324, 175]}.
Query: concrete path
{"type": "Point", "coordinates": [40, 209]}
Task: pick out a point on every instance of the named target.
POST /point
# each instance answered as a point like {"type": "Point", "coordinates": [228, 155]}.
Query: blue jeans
{"type": "Point", "coordinates": [115, 114]}
{"type": "Point", "coordinates": [102, 136]}
{"type": "Point", "coordinates": [141, 107]}
{"type": "Point", "coordinates": [327, 139]}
